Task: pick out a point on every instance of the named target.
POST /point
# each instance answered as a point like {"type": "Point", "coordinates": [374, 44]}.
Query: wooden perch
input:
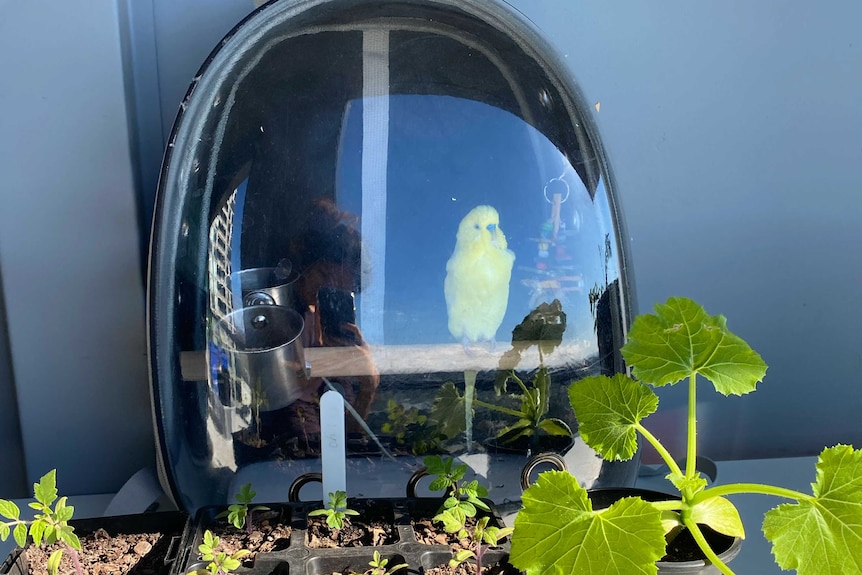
{"type": "Point", "coordinates": [403, 359]}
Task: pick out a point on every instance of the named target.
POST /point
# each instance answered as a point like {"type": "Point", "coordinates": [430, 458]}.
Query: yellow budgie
{"type": "Point", "coordinates": [477, 287]}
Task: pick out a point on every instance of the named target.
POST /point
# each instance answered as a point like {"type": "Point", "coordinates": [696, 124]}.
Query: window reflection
{"type": "Point", "coordinates": [477, 231]}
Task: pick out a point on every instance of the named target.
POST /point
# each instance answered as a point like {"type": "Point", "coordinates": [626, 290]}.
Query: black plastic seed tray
{"type": "Point", "coordinates": [299, 558]}
{"type": "Point", "coordinates": [159, 560]}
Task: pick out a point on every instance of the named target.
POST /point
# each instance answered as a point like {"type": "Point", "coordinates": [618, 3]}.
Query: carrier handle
{"type": "Point", "coordinates": [414, 481]}
{"type": "Point", "coordinates": [299, 483]}
{"type": "Point", "coordinates": [548, 457]}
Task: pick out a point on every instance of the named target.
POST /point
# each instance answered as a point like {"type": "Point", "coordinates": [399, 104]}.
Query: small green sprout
{"type": "Point", "coordinates": [239, 514]}
{"type": "Point", "coordinates": [379, 566]}
{"type": "Point", "coordinates": [220, 563]}
{"type": "Point", "coordinates": [48, 525]}
{"type": "Point", "coordinates": [463, 502]}
{"type": "Point", "coordinates": [412, 429]}
{"type": "Point", "coordinates": [336, 510]}
{"type": "Point", "coordinates": [464, 497]}
{"type": "Point", "coordinates": [481, 537]}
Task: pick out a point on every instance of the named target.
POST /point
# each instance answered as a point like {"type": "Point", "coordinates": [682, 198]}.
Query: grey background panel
{"type": "Point", "coordinates": [186, 32]}
{"type": "Point", "coordinates": [735, 132]}
{"type": "Point", "coordinates": [733, 128]}
{"type": "Point", "coordinates": [69, 246]}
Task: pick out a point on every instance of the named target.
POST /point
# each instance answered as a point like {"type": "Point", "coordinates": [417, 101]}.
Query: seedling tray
{"type": "Point", "coordinates": [173, 527]}
{"type": "Point", "coordinates": [298, 558]}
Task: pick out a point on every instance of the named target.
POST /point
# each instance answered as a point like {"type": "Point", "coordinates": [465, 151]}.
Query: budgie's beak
{"type": "Point", "coordinates": [495, 234]}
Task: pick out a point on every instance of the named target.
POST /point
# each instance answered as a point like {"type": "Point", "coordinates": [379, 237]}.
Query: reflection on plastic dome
{"type": "Point", "coordinates": [463, 263]}
{"type": "Point", "coordinates": [413, 214]}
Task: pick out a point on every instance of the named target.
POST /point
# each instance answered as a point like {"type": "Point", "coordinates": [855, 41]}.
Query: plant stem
{"type": "Point", "coordinates": [670, 505]}
{"type": "Point", "coordinates": [501, 409]}
{"type": "Point", "coordinates": [520, 382]}
{"type": "Point", "coordinates": [753, 488]}
{"type": "Point", "coordinates": [469, 396]}
{"type": "Point", "coordinates": [704, 546]}
{"type": "Point", "coordinates": [664, 453]}
{"type": "Point", "coordinates": [75, 560]}
{"type": "Point", "coordinates": [691, 454]}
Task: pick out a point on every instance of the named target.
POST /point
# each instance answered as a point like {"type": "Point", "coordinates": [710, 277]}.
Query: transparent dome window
{"type": "Point", "coordinates": [401, 205]}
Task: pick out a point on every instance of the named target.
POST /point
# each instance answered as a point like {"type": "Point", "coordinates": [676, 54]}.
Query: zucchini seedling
{"type": "Point", "coordinates": [558, 531]}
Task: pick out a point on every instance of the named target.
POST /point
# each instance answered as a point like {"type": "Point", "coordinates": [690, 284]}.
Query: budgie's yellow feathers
{"type": "Point", "coordinates": [477, 277]}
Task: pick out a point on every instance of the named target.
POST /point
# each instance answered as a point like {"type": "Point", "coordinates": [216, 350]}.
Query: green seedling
{"type": "Point", "coordinates": [542, 328]}
{"type": "Point", "coordinates": [412, 428]}
{"type": "Point", "coordinates": [463, 498]}
{"type": "Point", "coordinates": [557, 531]}
{"type": "Point", "coordinates": [49, 525]}
{"type": "Point", "coordinates": [532, 420]}
{"type": "Point", "coordinates": [220, 563]}
{"type": "Point", "coordinates": [239, 514]}
{"type": "Point", "coordinates": [481, 537]}
{"type": "Point", "coordinates": [400, 420]}
{"type": "Point", "coordinates": [463, 502]}
{"type": "Point", "coordinates": [379, 566]}
{"type": "Point", "coordinates": [336, 510]}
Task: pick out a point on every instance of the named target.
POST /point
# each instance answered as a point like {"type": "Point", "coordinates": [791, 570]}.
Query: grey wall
{"type": "Point", "coordinates": [734, 129]}
{"type": "Point", "coordinates": [69, 248]}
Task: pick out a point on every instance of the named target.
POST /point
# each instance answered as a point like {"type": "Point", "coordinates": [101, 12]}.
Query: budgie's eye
{"type": "Point", "coordinates": [491, 227]}
{"type": "Point", "coordinates": [476, 226]}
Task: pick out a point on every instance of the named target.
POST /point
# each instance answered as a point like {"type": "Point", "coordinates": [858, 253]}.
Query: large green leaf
{"type": "Point", "coordinates": [558, 533]}
{"type": "Point", "coordinates": [448, 411]}
{"type": "Point", "coordinates": [607, 409]}
{"type": "Point", "coordinates": [681, 340]}
{"type": "Point", "coordinates": [544, 326]}
{"type": "Point", "coordinates": [542, 385]}
{"type": "Point", "coordinates": [510, 433]}
{"type": "Point", "coordinates": [822, 535]}
{"type": "Point", "coordinates": [554, 426]}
